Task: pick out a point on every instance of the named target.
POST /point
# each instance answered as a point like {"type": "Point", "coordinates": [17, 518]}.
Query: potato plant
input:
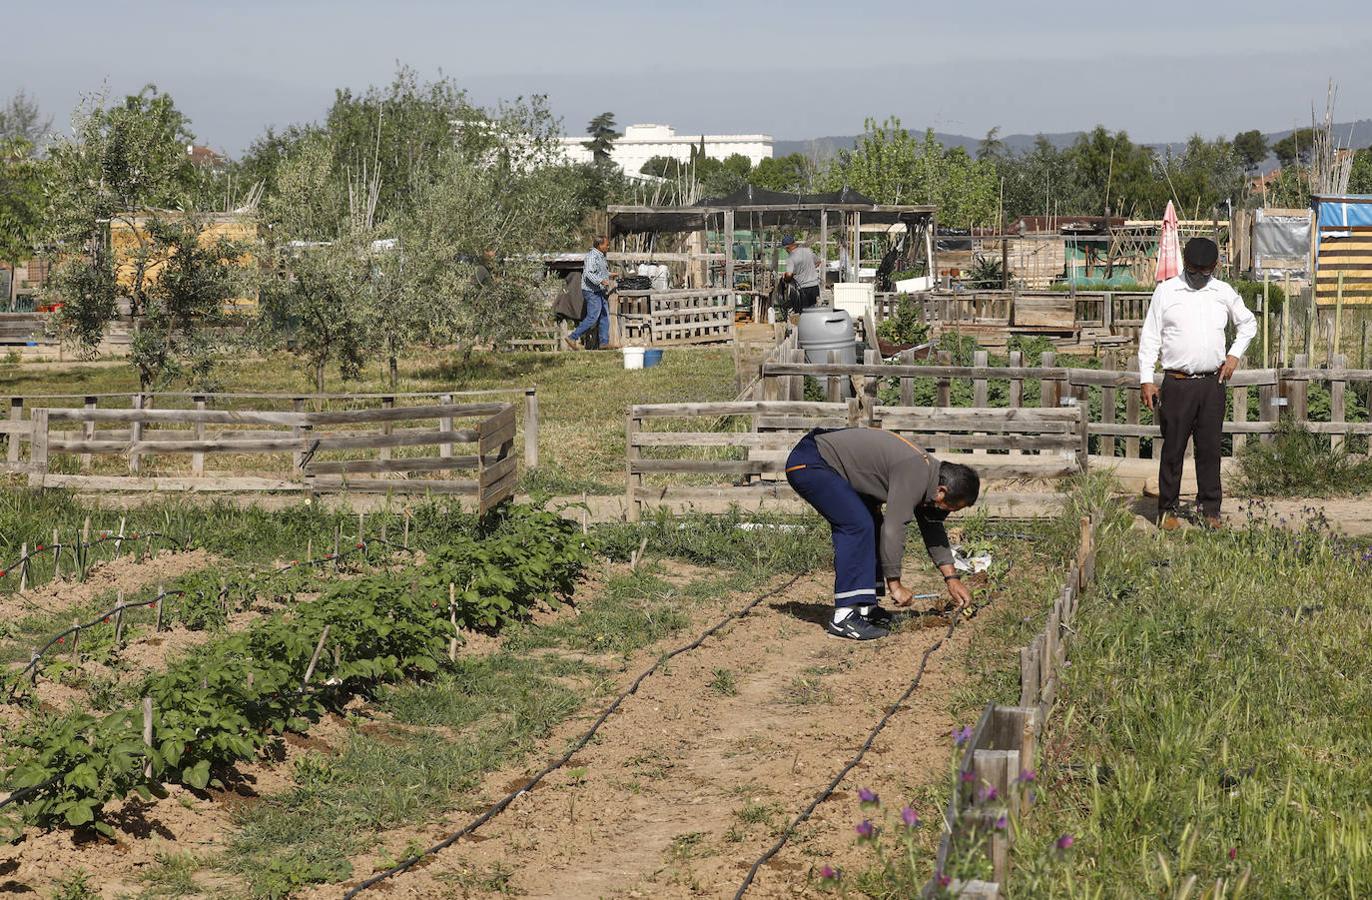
{"type": "Point", "coordinates": [224, 702]}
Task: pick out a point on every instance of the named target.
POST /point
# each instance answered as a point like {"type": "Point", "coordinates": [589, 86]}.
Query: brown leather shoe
{"type": "Point", "coordinates": [1214, 523]}
{"type": "Point", "coordinates": [1169, 522]}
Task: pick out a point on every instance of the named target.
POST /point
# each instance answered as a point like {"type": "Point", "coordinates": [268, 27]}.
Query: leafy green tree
{"type": "Point", "coordinates": [1118, 174]}
{"type": "Point", "coordinates": [125, 166]}
{"type": "Point", "coordinates": [21, 119]}
{"type": "Point", "coordinates": [1360, 179]}
{"type": "Point", "coordinates": [21, 204]}
{"type": "Point", "coordinates": [1296, 147]}
{"type": "Point", "coordinates": [1205, 175]}
{"type": "Point", "coordinates": [1252, 149]}
{"type": "Point", "coordinates": [992, 147]}
{"type": "Point", "coordinates": [395, 136]}
{"type": "Point", "coordinates": [316, 300]}
{"type": "Point", "coordinates": [1043, 181]}
{"type": "Point", "coordinates": [603, 134]}
{"type": "Point", "coordinates": [891, 166]}
{"type": "Point", "coordinates": [185, 318]}
{"type": "Point", "coordinates": [792, 173]}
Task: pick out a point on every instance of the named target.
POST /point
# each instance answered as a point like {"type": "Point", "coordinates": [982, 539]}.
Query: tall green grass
{"type": "Point", "coordinates": [1213, 730]}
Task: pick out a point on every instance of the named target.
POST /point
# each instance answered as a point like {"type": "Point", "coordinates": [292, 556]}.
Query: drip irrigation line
{"type": "Point", "coordinates": [501, 805]}
{"type": "Point", "coordinates": [77, 546]}
{"type": "Point", "coordinates": [829, 789]}
{"type": "Point", "coordinates": [360, 547]}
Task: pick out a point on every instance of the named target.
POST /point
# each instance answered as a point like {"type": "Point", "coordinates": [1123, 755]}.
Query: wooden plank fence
{"type": "Point", "coordinates": [16, 426]}
{"type": "Point", "coordinates": [745, 443]}
{"type": "Point", "coordinates": [1115, 419]}
{"type": "Point", "coordinates": [992, 789]}
{"type": "Point", "coordinates": [674, 318]}
{"type": "Point", "coordinates": [376, 448]}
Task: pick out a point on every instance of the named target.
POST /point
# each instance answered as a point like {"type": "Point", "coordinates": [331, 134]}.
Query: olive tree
{"type": "Point", "coordinates": [122, 199]}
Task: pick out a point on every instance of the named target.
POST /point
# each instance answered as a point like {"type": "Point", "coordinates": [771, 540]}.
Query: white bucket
{"type": "Point", "coordinates": [633, 357]}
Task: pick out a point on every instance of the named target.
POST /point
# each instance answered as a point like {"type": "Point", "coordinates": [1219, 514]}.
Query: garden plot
{"type": "Point", "coordinates": [683, 787]}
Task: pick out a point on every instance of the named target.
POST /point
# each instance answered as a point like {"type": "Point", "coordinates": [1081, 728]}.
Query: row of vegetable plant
{"type": "Point", "coordinates": [223, 703]}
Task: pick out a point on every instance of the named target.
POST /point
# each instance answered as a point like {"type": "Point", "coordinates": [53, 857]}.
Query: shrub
{"type": "Point", "coordinates": [1300, 463]}
{"type": "Point", "coordinates": [905, 327]}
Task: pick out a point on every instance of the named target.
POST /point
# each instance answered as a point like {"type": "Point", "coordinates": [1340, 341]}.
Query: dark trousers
{"type": "Point", "coordinates": [1192, 409]}
{"type": "Point", "coordinates": [855, 520]}
{"type": "Point", "coordinates": [809, 296]}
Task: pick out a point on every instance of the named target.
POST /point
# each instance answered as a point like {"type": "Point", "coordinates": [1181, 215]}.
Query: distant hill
{"type": "Point", "coordinates": [826, 147]}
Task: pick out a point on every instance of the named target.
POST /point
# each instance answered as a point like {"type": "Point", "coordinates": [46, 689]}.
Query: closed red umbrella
{"type": "Point", "coordinates": [1169, 247]}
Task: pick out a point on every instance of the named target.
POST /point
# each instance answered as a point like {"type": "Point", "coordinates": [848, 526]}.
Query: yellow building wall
{"type": "Point", "coordinates": [126, 236]}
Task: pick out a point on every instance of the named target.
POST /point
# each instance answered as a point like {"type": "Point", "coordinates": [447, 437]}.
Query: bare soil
{"type": "Point", "coordinates": [125, 574]}
{"type": "Point", "coordinates": [676, 797]}
{"type": "Point", "coordinates": [688, 783]}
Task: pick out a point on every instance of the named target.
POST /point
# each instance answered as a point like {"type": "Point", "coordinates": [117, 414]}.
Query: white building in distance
{"type": "Point", "coordinates": [640, 143]}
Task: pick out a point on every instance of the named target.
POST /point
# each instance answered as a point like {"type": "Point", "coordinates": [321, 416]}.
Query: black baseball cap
{"type": "Point", "coordinates": [1201, 253]}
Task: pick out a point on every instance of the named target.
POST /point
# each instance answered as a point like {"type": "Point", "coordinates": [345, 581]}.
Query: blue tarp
{"type": "Point", "coordinates": [1351, 211]}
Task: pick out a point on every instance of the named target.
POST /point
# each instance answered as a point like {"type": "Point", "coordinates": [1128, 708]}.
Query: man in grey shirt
{"type": "Point", "coordinates": [803, 269]}
{"type": "Point", "coordinates": [846, 475]}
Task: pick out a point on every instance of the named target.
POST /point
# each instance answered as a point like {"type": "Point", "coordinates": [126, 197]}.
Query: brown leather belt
{"type": "Point", "coordinates": [1186, 376]}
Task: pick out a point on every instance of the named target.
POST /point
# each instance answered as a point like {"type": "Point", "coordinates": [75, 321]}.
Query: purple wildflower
{"type": "Point", "coordinates": [828, 873]}
{"type": "Point", "coordinates": [1001, 823]}
{"type": "Point", "coordinates": [968, 778]}
{"type": "Point", "coordinates": [943, 880]}
{"type": "Point", "coordinates": [988, 794]}
{"type": "Point", "coordinates": [866, 795]}
{"type": "Point", "coordinates": [865, 828]}
{"type": "Point", "coordinates": [1233, 853]}
{"type": "Point", "coordinates": [909, 817]}
{"type": "Point", "coordinates": [1027, 776]}
{"type": "Point", "coordinates": [1066, 841]}
{"type": "Point", "coordinates": [962, 735]}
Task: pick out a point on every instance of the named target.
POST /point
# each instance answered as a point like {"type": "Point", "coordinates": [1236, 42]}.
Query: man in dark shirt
{"type": "Point", "coordinates": [846, 475]}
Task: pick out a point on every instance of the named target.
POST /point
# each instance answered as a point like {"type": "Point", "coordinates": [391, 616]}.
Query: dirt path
{"type": "Point", "coordinates": [689, 783]}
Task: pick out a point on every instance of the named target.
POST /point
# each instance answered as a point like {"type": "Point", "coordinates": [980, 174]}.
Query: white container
{"type": "Point", "coordinates": [855, 299]}
{"type": "Point", "coordinates": [633, 357]}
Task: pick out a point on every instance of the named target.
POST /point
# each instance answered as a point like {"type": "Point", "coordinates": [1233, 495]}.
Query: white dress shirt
{"type": "Point", "coordinates": [1187, 326]}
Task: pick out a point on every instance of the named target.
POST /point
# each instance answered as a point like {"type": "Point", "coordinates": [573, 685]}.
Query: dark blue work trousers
{"type": "Point", "coordinates": [855, 519]}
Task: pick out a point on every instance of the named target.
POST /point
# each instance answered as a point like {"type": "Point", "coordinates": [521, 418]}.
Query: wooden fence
{"type": "Point", "coordinates": [371, 444]}
{"type": "Point", "coordinates": [1116, 422]}
{"type": "Point", "coordinates": [748, 442]}
{"type": "Point", "coordinates": [671, 318]}
{"type": "Point", "coordinates": [993, 787]}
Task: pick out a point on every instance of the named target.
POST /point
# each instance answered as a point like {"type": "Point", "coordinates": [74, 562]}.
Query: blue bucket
{"type": "Point", "coordinates": [651, 358]}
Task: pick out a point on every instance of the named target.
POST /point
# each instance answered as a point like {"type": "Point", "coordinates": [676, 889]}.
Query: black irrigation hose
{"type": "Point", "coordinates": [562, 760]}
{"type": "Point", "coordinates": [20, 794]}
{"type": "Point", "coordinates": [361, 546]}
{"type": "Point", "coordinates": [852, 763]}
{"type": "Point", "coordinates": [77, 546]}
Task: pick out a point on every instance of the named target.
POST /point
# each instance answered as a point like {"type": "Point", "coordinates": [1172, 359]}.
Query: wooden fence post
{"type": "Point", "coordinates": [1048, 388]}
{"type": "Point", "coordinates": [88, 432]}
{"type": "Point", "coordinates": [198, 459]}
{"type": "Point", "coordinates": [1107, 444]}
{"type": "Point", "coordinates": [445, 424]}
{"type": "Point", "coordinates": [531, 428]}
{"type": "Point", "coordinates": [1337, 408]}
{"type": "Point", "coordinates": [634, 482]}
{"type": "Point", "coordinates": [38, 447]}
{"type": "Point", "coordinates": [135, 436]}
{"type": "Point", "coordinates": [147, 735]}
{"type": "Point", "coordinates": [386, 427]}
{"type": "Point", "coordinates": [16, 414]}
{"type": "Point", "coordinates": [945, 384]}
{"type": "Point", "coordinates": [907, 383]}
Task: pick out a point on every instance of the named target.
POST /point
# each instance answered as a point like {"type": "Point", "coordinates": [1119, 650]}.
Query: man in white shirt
{"type": "Point", "coordinates": [1185, 324]}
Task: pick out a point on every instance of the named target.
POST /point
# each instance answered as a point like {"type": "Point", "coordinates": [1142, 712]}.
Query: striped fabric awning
{"type": "Point", "coordinates": [1344, 249]}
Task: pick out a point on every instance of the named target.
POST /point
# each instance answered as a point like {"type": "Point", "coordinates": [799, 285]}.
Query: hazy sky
{"type": "Point", "coordinates": [794, 70]}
